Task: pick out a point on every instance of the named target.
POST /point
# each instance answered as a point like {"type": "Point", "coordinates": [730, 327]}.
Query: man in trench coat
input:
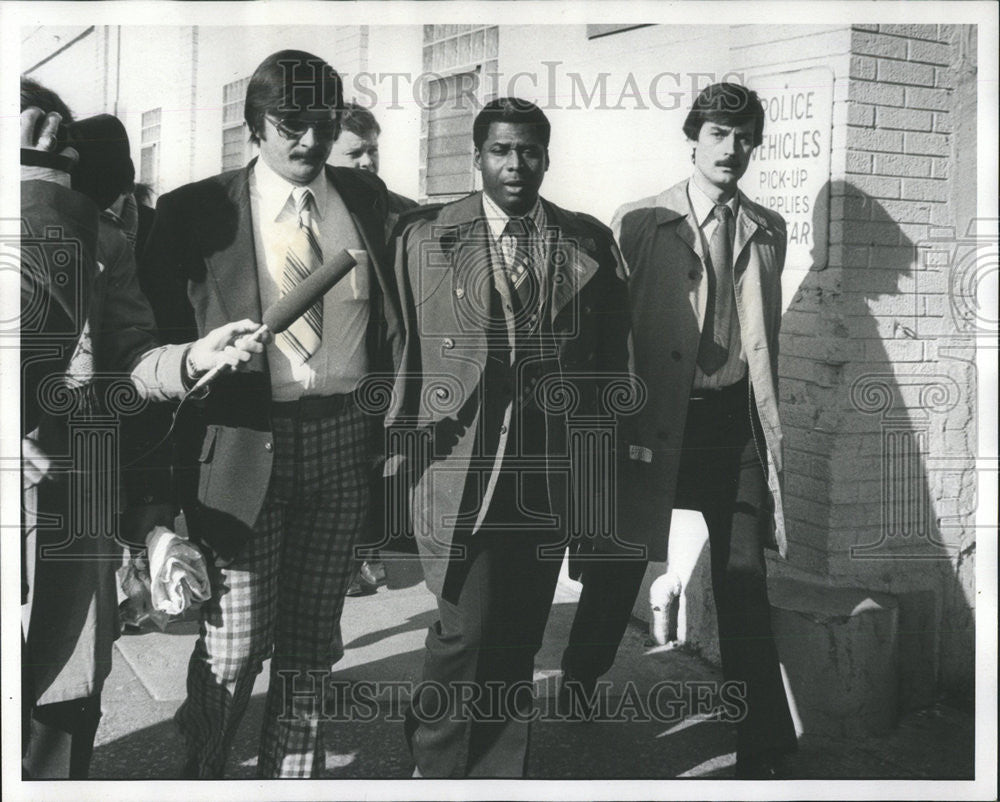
{"type": "Point", "coordinates": [704, 265]}
{"type": "Point", "coordinates": [501, 400]}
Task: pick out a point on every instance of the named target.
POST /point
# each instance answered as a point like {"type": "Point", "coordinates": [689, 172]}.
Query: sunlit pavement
{"type": "Point", "coordinates": [384, 636]}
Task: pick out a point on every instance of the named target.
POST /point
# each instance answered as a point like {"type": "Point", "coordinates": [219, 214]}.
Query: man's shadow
{"type": "Point", "coordinates": [867, 393]}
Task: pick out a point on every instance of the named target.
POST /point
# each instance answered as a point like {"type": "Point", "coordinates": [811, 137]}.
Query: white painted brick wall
{"type": "Point", "coordinates": [895, 116]}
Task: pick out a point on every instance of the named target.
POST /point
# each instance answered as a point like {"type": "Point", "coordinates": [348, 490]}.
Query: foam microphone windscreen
{"type": "Point", "coordinates": [292, 305]}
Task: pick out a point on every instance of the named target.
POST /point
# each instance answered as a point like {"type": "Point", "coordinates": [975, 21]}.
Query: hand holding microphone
{"type": "Point", "coordinates": [225, 347]}
{"type": "Point", "coordinates": [231, 346]}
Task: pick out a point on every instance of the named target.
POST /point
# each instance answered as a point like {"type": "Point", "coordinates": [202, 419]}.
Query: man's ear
{"type": "Point", "coordinates": [257, 131]}
{"type": "Point", "coordinates": [547, 160]}
{"type": "Point", "coordinates": [476, 159]}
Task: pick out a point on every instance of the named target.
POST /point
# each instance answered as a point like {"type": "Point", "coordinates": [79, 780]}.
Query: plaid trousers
{"type": "Point", "coordinates": [282, 597]}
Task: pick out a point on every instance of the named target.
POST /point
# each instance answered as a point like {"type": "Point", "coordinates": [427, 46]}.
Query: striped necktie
{"type": "Point", "coordinates": [301, 340]}
{"type": "Point", "coordinates": [521, 273]}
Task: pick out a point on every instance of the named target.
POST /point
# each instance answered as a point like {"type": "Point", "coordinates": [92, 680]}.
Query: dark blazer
{"type": "Point", "coordinates": [443, 271]}
{"type": "Point", "coordinates": [199, 270]}
{"type": "Point", "coordinates": [76, 272]}
{"type": "Point", "coordinates": [398, 206]}
{"type": "Point", "coordinates": [662, 246]}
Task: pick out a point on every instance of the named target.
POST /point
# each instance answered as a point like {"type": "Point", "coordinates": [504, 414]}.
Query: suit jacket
{"type": "Point", "coordinates": [398, 206]}
{"type": "Point", "coordinates": [663, 249]}
{"type": "Point", "coordinates": [199, 270]}
{"type": "Point", "coordinates": [447, 447]}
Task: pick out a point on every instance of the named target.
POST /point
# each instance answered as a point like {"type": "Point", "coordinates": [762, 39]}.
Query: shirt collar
{"type": "Point", "coordinates": [275, 192]}
{"type": "Point", "coordinates": [703, 205]}
{"type": "Point", "coordinates": [496, 218]}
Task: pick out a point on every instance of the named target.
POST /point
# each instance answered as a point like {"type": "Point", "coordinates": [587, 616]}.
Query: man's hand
{"type": "Point", "coordinates": [177, 572]}
{"type": "Point", "coordinates": [35, 463]}
{"type": "Point", "coordinates": [229, 345]}
{"type": "Point", "coordinates": [54, 167]}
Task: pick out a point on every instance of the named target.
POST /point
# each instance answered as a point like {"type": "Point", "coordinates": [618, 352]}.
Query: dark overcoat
{"type": "Point", "coordinates": [450, 447]}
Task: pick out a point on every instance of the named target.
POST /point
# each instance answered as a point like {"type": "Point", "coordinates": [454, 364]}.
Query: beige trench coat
{"type": "Point", "coordinates": [663, 251]}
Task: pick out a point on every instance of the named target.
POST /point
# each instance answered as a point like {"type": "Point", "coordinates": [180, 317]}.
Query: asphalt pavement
{"type": "Point", "coordinates": [657, 719]}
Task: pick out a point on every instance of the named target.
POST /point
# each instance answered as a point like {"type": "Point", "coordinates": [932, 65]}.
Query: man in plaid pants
{"type": "Point", "coordinates": [273, 470]}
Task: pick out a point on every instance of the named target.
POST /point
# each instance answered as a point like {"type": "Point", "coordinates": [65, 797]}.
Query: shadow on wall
{"type": "Point", "coordinates": [879, 422]}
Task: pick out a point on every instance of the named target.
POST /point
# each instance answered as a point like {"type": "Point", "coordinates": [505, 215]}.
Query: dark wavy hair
{"type": "Point", "coordinates": [728, 104]}
{"type": "Point", "coordinates": [34, 94]}
{"type": "Point", "coordinates": [290, 82]}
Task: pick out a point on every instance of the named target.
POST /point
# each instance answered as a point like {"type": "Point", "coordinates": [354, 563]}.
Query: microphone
{"type": "Point", "coordinates": [293, 304]}
{"type": "Point", "coordinates": [297, 301]}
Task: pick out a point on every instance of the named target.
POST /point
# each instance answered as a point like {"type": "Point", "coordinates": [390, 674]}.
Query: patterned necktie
{"type": "Point", "coordinates": [522, 275]}
{"type": "Point", "coordinates": [301, 340]}
{"type": "Point", "coordinates": [713, 350]}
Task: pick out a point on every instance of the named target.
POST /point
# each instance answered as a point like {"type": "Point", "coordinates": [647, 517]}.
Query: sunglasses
{"type": "Point", "coordinates": [295, 128]}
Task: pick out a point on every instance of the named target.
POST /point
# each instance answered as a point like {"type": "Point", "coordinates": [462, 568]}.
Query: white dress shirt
{"type": "Point", "coordinates": [341, 359]}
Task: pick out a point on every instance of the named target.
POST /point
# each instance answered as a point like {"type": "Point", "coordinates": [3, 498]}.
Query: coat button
{"type": "Point", "coordinates": [676, 355]}
{"type": "Point", "coordinates": [459, 292]}
{"type": "Point", "coordinates": [268, 446]}
{"type": "Point", "coordinates": [694, 275]}
{"type": "Point", "coordinates": [448, 342]}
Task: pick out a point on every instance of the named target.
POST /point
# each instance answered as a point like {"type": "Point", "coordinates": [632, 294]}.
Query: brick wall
{"type": "Point", "coordinates": [878, 382]}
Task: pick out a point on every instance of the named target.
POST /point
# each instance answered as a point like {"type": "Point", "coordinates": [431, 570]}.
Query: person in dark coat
{"type": "Point", "coordinates": [515, 348]}
{"type": "Point", "coordinates": [85, 326]}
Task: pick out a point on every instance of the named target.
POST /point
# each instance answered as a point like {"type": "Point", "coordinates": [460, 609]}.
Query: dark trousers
{"type": "Point", "coordinates": [721, 476]}
{"type": "Point", "coordinates": [469, 716]}
{"type": "Point", "coordinates": [61, 739]}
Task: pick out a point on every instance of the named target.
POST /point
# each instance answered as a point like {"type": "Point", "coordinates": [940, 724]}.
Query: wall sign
{"type": "Point", "coordinates": [790, 171]}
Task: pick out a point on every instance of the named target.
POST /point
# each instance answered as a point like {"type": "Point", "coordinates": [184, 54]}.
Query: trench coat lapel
{"type": "Point", "coordinates": [463, 238]}
{"type": "Point", "coordinates": [747, 223]}
{"type": "Point", "coordinates": [570, 264]}
{"type": "Point", "coordinates": [473, 267]}
{"type": "Point", "coordinates": [675, 205]}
